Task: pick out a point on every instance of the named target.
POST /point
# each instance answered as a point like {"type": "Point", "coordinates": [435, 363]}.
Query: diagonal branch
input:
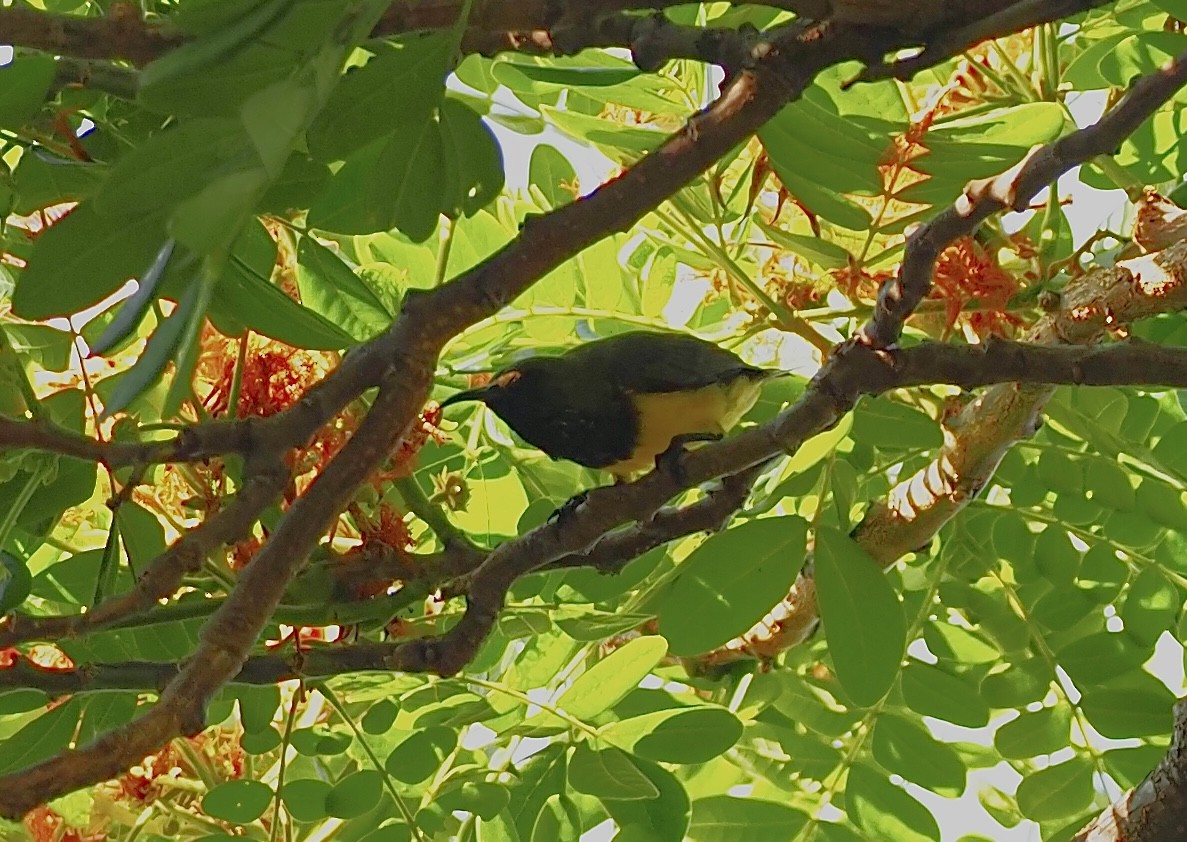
{"type": "Point", "coordinates": [1013, 190]}
{"type": "Point", "coordinates": [402, 362]}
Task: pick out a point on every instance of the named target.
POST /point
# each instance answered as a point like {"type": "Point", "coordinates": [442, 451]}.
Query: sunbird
{"type": "Point", "coordinates": [626, 403]}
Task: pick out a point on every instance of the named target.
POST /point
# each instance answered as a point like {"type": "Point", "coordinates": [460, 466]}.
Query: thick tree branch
{"type": "Point", "coordinates": [920, 505]}
{"type": "Point", "coordinates": [1155, 809]}
{"type": "Point", "coordinates": [401, 362]}
{"type": "Point", "coordinates": [121, 35]}
{"type": "Point", "coordinates": [982, 26]}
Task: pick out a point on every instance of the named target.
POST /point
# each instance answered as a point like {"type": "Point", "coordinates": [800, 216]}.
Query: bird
{"type": "Point", "coordinates": [625, 403]}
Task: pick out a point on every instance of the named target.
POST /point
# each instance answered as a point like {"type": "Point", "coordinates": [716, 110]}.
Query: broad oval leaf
{"type": "Point", "coordinates": [730, 582]}
{"type": "Point", "coordinates": [890, 425]}
{"type": "Point", "coordinates": [681, 735]}
{"type": "Point", "coordinates": [906, 748]}
{"type": "Point", "coordinates": [421, 754]}
{"type": "Point", "coordinates": [723, 818]}
{"type": "Point", "coordinates": [930, 691]}
{"type": "Point", "coordinates": [305, 799]}
{"type": "Point", "coordinates": [863, 619]}
{"type": "Point", "coordinates": [664, 818]}
{"type": "Point", "coordinates": [355, 795]}
{"type": "Point", "coordinates": [886, 811]}
{"type": "Point", "coordinates": [606, 682]}
{"type": "Point", "coordinates": [330, 289]}
{"type": "Point", "coordinates": [238, 802]}
{"type": "Point", "coordinates": [608, 773]}
{"type": "Point", "coordinates": [1057, 792]}
{"type": "Point", "coordinates": [82, 258]}
{"type": "Point", "coordinates": [1033, 733]}
{"type": "Point", "coordinates": [1129, 712]}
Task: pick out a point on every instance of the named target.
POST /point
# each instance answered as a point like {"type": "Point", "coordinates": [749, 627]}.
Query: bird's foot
{"type": "Point", "coordinates": [567, 509]}
{"type": "Point", "coordinates": [670, 461]}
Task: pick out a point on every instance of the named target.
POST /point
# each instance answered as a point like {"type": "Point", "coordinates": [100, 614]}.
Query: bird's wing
{"type": "Point", "coordinates": [647, 362]}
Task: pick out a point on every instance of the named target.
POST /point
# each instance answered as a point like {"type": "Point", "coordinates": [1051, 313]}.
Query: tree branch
{"type": "Point", "coordinates": [1014, 190]}
{"type": "Point", "coordinates": [1154, 809]}
{"type": "Point", "coordinates": [401, 363]}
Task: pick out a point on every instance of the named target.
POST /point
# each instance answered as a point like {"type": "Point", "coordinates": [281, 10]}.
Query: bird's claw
{"type": "Point", "coordinates": [566, 510]}
{"type": "Point", "coordinates": [671, 460]}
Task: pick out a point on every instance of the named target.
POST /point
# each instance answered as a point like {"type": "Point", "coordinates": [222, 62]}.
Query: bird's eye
{"type": "Point", "coordinates": [505, 379]}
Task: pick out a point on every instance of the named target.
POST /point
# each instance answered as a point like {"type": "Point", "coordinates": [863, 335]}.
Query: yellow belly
{"type": "Point", "coordinates": [666, 415]}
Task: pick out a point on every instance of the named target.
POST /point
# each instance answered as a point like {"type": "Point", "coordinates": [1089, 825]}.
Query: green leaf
{"type": "Point", "coordinates": [1129, 712]}
{"type": "Point", "coordinates": [380, 717]}
{"type": "Point", "coordinates": [1140, 54]}
{"type": "Point", "coordinates": [558, 819]}
{"type": "Point", "coordinates": [806, 137]}
{"type": "Point", "coordinates": [238, 802]}
{"type": "Point", "coordinates": [1099, 657]}
{"type": "Point", "coordinates": [903, 747]}
{"type": "Point", "coordinates": [382, 186]}
{"type": "Point", "coordinates": [589, 626]}
{"type": "Point", "coordinates": [158, 352]}
{"type": "Point", "coordinates": [133, 311]}
{"type": "Point", "coordinates": [890, 425]}
{"type": "Point", "coordinates": [223, 88]}
{"type": "Point", "coordinates": [526, 77]}
{"type": "Point", "coordinates": [664, 818]}
{"type": "Point", "coordinates": [498, 829]}
{"type": "Point", "coordinates": [1055, 556]}
{"type": "Point", "coordinates": [1044, 731]}
{"type": "Point", "coordinates": [329, 288]}
{"type": "Point", "coordinates": [305, 799]}
{"type": "Point", "coordinates": [1057, 792]}
{"type": "Point", "coordinates": [24, 86]}
{"type": "Point", "coordinates": [211, 220]}
{"type": "Point", "coordinates": [730, 582]}
{"type": "Point", "coordinates": [396, 91]}
{"type": "Point", "coordinates": [43, 179]}
{"type": "Point", "coordinates": [1130, 766]}
{"type": "Point", "coordinates": [950, 642]}
{"type": "Point", "coordinates": [421, 754]}
{"type": "Point", "coordinates": [355, 795]}
{"type": "Point", "coordinates": [825, 254]}
{"type": "Point", "coordinates": [195, 57]}
{"type": "Point", "coordinates": [605, 683]}
{"type": "Point", "coordinates": [261, 742]}
{"type": "Point", "coordinates": [885, 811]}
{"type": "Point", "coordinates": [172, 165]}
{"type": "Point", "coordinates": [320, 740]}
{"type": "Point", "coordinates": [621, 144]}
{"type": "Point", "coordinates": [410, 167]}
{"type": "Point", "coordinates": [83, 258]}
{"type": "Point", "coordinates": [608, 773]}
{"type": "Point", "coordinates": [723, 818]}
{"type": "Point", "coordinates": [681, 735]}
{"type": "Point", "coordinates": [930, 691]}
{"type": "Point", "coordinates": [863, 619]}
{"type": "Point", "coordinates": [247, 298]}
{"type": "Point", "coordinates": [550, 171]}
{"type": "Point", "coordinates": [15, 582]}
{"type": "Point", "coordinates": [482, 798]}
{"type": "Point", "coordinates": [473, 160]}
{"type": "Point", "coordinates": [1151, 607]}
{"type": "Point", "coordinates": [44, 737]}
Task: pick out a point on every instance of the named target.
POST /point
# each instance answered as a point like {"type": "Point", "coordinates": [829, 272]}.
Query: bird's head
{"type": "Point", "coordinates": [514, 391]}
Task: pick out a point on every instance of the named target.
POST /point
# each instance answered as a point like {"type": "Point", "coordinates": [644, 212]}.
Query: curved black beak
{"type": "Point", "coordinates": [478, 394]}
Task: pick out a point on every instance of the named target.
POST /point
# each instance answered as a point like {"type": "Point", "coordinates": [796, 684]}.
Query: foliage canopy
{"type": "Point", "coordinates": [352, 617]}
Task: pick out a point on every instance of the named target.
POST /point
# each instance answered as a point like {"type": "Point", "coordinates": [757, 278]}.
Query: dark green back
{"type": "Point", "coordinates": [645, 362]}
